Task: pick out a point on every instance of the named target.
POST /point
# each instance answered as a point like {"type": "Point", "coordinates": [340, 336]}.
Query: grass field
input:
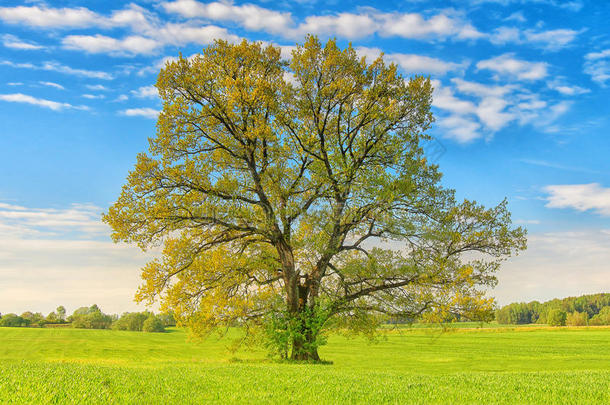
{"type": "Point", "coordinates": [487, 365]}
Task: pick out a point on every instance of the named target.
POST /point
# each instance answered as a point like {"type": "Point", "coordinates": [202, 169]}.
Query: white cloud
{"type": "Point", "coordinates": [412, 25]}
{"type": "Point", "coordinates": [598, 55]}
{"type": "Point", "coordinates": [491, 111]}
{"type": "Point", "coordinates": [132, 16]}
{"type": "Point", "coordinates": [503, 35]}
{"type": "Point", "coordinates": [137, 18]}
{"type": "Point", "coordinates": [423, 64]}
{"type": "Point", "coordinates": [545, 119]}
{"type": "Point", "coordinates": [445, 99]}
{"type": "Point", "coordinates": [508, 66]}
{"type": "Point", "coordinates": [581, 197]}
{"type": "Point", "coordinates": [96, 87]}
{"type": "Point", "coordinates": [14, 84]}
{"type": "Point", "coordinates": [530, 109]}
{"type": "Point", "coordinates": [11, 41]}
{"type": "Point", "coordinates": [122, 97]}
{"type": "Point", "coordinates": [155, 39]}
{"type": "Point", "coordinates": [141, 112]}
{"type": "Point", "coordinates": [463, 129]}
{"type": "Point", "coordinates": [146, 92]}
{"type": "Point", "coordinates": [249, 16]}
{"type": "Point", "coordinates": [516, 16]}
{"type": "Point", "coordinates": [94, 96]}
{"type": "Point", "coordinates": [58, 67]}
{"type": "Point", "coordinates": [82, 218]}
{"type": "Point", "coordinates": [482, 90]}
{"type": "Point", "coordinates": [559, 85]}
{"type": "Point", "coordinates": [41, 102]}
{"type": "Point", "coordinates": [347, 25]}
{"type": "Point", "coordinates": [552, 40]}
{"type": "Point", "coordinates": [574, 5]}
{"type": "Point", "coordinates": [470, 110]}
{"type": "Point", "coordinates": [51, 84]}
{"type": "Point", "coordinates": [597, 65]}
{"type": "Point", "coordinates": [149, 32]}
{"type": "Point", "coordinates": [412, 63]}
{"type": "Point", "coordinates": [129, 46]}
{"type": "Point", "coordinates": [558, 264]}
{"type": "Point", "coordinates": [181, 34]}
{"type": "Point", "coordinates": [45, 17]}
{"type": "Point", "coordinates": [25, 65]}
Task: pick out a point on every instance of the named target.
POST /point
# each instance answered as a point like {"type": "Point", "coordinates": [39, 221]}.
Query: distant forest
{"type": "Point", "coordinates": [593, 309]}
{"type": "Point", "coordinates": [91, 318]}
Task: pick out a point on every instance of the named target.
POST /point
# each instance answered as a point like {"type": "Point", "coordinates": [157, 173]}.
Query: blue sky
{"type": "Point", "coordinates": [521, 100]}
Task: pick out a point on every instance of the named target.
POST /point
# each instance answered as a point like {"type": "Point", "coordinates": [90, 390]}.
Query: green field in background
{"type": "Point", "coordinates": [407, 365]}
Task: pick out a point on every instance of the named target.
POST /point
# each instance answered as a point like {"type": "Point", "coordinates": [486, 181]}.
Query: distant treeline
{"type": "Point", "coordinates": [591, 309]}
{"type": "Point", "coordinates": [92, 318]}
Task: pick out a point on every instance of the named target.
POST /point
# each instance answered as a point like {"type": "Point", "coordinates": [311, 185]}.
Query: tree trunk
{"type": "Point", "coordinates": [304, 350]}
{"type": "Point", "coordinates": [303, 343]}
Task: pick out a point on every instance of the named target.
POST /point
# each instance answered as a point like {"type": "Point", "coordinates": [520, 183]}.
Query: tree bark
{"type": "Point", "coordinates": [304, 349]}
{"type": "Point", "coordinates": [304, 342]}
{"type": "Point", "coordinates": [297, 294]}
{"type": "Point", "coordinates": [300, 354]}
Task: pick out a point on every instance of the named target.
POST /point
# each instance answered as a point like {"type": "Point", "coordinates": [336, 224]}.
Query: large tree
{"type": "Point", "coordinates": [296, 197]}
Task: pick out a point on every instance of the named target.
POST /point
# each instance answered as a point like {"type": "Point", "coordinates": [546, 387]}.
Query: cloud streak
{"type": "Point", "coordinates": [11, 41]}
{"type": "Point", "coordinates": [129, 46]}
{"type": "Point", "coordinates": [25, 221]}
{"type": "Point", "coordinates": [41, 102]}
{"type": "Point", "coordinates": [58, 67]}
{"type": "Point", "coordinates": [470, 110]}
{"type": "Point", "coordinates": [507, 66]}
{"type": "Point", "coordinates": [551, 40]}
{"type": "Point", "coordinates": [581, 197]}
{"type": "Point", "coordinates": [597, 65]}
{"type": "Point", "coordinates": [412, 63]}
{"type": "Point", "coordinates": [141, 112]}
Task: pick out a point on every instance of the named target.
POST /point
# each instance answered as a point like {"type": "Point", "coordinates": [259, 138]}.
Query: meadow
{"type": "Point", "coordinates": [407, 365]}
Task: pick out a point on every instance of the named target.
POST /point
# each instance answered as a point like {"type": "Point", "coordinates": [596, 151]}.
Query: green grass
{"type": "Point", "coordinates": [409, 365]}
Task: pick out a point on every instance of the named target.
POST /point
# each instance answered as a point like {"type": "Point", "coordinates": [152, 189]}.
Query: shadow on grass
{"type": "Point", "coordinates": [279, 361]}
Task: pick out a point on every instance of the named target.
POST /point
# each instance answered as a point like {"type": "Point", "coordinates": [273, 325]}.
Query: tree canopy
{"type": "Point", "coordinates": [295, 197]}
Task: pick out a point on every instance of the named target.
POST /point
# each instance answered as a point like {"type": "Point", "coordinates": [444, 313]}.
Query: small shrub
{"type": "Point", "coordinates": [133, 321]}
{"type": "Point", "coordinates": [153, 324]}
